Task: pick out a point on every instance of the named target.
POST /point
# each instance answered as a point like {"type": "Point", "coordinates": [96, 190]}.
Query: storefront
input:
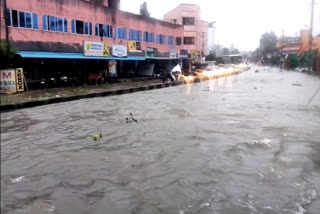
{"type": "Point", "coordinates": [79, 68]}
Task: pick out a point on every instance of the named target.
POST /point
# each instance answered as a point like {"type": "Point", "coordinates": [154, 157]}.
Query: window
{"type": "Point", "coordinates": [81, 27]}
{"type": "Point", "coordinates": [135, 35]}
{"type": "Point", "coordinates": [8, 18]}
{"type": "Point", "coordinates": [22, 19]}
{"type": "Point", "coordinates": [65, 24]}
{"type": "Point", "coordinates": [35, 21]}
{"type": "Point", "coordinates": [161, 39]}
{"type": "Point", "coordinates": [15, 18]}
{"type": "Point", "coordinates": [188, 40]}
{"type": "Point", "coordinates": [188, 21]}
{"type": "Point", "coordinates": [148, 37]}
{"type": "Point", "coordinates": [52, 23]}
{"type": "Point", "coordinates": [178, 41]}
{"type": "Point", "coordinates": [121, 33]}
{"type": "Point", "coordinates": [170, 40]}
{"type": "Point", "coordinates": [28, 20]}
{"type": "Point", "coordinates": [103, 30]}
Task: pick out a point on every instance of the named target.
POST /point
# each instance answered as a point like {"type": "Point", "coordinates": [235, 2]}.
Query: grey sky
{"type": "Point", "coordinates": [241, 22]}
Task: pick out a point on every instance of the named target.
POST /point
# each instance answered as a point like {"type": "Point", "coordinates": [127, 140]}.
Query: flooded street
{"type": "Point", "coordinates": [247, 143]}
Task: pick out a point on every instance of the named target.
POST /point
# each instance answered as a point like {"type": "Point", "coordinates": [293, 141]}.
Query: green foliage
{"type": "Point", "coordinates": [235, 51]}
{"type": "Point", "coordinates": [211, 57]}
{"type": "Point", "coordinates": [303, 61]}
{"type": "Point", "coordinates": [293, 60]}
{"type": "Point", "coordinates": [5, 52]}
{"type": "Point", "coordinates": [225, 51]}
{"type": "Point", "coordinates": [268, 43]}
{"type": "Point", "coordinates": [144, 10]}
{"type": "Point", "coordinates": [255, 55]}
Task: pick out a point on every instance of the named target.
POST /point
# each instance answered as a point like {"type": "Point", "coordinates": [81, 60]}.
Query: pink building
{"type": "Point", "coordinates": [57, 29]}
{"type": "Point", "coordinates": [195, 30]}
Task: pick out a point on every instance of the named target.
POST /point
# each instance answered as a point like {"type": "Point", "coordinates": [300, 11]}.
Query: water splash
{"type": "Point", "coordinates": [16, 180]}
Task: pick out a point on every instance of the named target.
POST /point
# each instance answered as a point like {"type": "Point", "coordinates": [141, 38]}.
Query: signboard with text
{"type": "Point", "coordinates": [173, 53]}
{"type": "Point", "coordinates": [134, 46]}
{"type": "Point", "coordinates": [19, 80]}
{"type": "Point", "coordinates": [11, 81]}
{"type": "Point", "coordinates": [119, 50]}
{"type": "Point", "coordinates": [112, 68]}
{"type": "Point", "coordinates": [151, 52]}
{"type": "Point", "coordinates": [194, 55]}
{"type": "Point", "coordinates": [96, 49]}
{"type": "Point", "coordinates": [183, 54]}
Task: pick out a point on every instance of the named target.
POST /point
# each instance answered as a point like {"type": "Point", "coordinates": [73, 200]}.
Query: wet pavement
{"type": "Point", "coordinates": [67, 92]}
{"type": "Point", "coordinates": [247, 143]}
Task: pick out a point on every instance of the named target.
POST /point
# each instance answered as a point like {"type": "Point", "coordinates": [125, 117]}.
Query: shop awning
{"type": "Point", "coordinates": [162, 58]}
{"type": "Point", "coordinates": [68, 55]}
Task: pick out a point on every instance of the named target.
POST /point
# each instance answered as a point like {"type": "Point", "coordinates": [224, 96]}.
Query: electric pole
{"type": "Point", "coordinates": [310, 38]}
{"type": "Point", "coordinates": [7, 45]}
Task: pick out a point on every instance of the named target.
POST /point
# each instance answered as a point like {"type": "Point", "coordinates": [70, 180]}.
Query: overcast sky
{"type": "Point", "coordinates": [241, 22]}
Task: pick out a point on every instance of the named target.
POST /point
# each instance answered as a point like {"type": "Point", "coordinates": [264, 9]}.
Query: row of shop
{"type": "Point", "coordinates": [97, 64]}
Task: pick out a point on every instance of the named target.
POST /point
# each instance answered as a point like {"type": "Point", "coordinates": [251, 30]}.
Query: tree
{"type": "Point", "coordinates": [225, 51]}
{"type": "Point", "coordinates": [211, 57]}
{"type": "Point", "coordinates": [293, 60]}
{"type": "Point", "coordinates": [144, 10]}
{"type": "Point", "coordinates": [255, 55]}
{"type": "Point", "coordinates": [235, 51]}
{"type": "Point", "coordinates": [268, 43]}
{"type": "Point", "coordinates": [7, 52]}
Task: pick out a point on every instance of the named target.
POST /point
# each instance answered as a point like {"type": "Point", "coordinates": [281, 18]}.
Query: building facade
{"type": "Point", "coordinates": [55, 29]}
{"type": "Point", "coordinates": [195, 30]}
{"type": "Point", "coordinates": [298, 45]}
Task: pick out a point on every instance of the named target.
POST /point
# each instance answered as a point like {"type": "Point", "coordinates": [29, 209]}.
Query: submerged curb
{"type": "Point", "coordinates": [29, 104]}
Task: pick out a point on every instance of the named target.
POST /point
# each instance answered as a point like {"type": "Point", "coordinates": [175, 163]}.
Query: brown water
{"type": "Point", "coordinates": [242, 144]}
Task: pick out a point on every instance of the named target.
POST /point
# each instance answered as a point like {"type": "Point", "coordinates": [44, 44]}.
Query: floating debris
{"type": "Point", "coordinates": [204, 205]}
{"type": "Point", "coordinates": [96, 137]}
{"type": "Point", "coordinates": [16, 180]}
{"type": "Point", "coordinates": [131, 119]}
{"type": "Point", "coordinates": [257, 71]}
{"type": "Point", "coordinates": [297, 84]}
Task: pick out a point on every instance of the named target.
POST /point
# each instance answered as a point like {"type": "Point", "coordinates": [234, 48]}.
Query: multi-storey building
{"type": "Point", "coordinates": [81, 36]}
{"type": "Point", "coordinates": [195, 30]}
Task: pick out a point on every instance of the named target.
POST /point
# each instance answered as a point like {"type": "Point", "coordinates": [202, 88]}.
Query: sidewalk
{"type": "Point", "coordinates": [55, 95]}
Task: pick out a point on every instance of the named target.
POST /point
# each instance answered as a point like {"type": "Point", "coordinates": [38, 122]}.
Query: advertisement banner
{"type": "Point", "coordinates": [11, 81]}
{"type": "Point", "coordinates": [105, 50]}
{"type": "Point", "coordinates": [151, 52]}
{"type": "Point", "coordinates": [112, 68]}
{"type": "Point", "coordinates": [119, 50]}
{"type": "Point", "coordinates": [173, 53]}
{"type": "Point", "coordinates": [96, 49]}
{"type": "Point", "coordinates": [134, 46]}
{"type": "Point", "coordinates": [194, 56]}
{"type": "Point", "coordinates": [183, 54]}
{"type": "Point", "coordinates": [8, 81]}
{"type": "Point", "coordinates": [19, 80]}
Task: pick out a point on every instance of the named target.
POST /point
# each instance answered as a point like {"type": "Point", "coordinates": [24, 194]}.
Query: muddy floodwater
{"type": "Point", "coordinates": [248, 143]}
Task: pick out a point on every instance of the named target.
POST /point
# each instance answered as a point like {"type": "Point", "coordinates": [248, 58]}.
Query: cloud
{"type": "Point", "coordinates": [242, 22]}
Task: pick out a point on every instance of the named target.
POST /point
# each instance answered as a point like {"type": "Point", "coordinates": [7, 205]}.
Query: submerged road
{"type": "Point", "coordinates": [248, 143]}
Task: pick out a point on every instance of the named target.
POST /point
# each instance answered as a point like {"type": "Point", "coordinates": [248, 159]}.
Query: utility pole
{"type": "Point", "coordinates": [6, 27]}
{"type": "Point", "coordinates": [282, 42]}
{"type": "Point", "coordinates": [310, 38]}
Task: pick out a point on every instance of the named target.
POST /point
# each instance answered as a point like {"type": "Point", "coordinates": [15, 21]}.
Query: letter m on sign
{"type": "Point", "coordinates": [6, 75]}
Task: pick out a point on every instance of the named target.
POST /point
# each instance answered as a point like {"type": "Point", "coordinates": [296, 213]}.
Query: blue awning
{"type": "Point", "coordinates": [68, 55]}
